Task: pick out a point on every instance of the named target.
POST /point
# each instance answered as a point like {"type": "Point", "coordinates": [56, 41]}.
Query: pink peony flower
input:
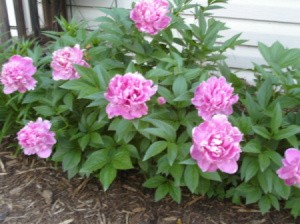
{"type": "Point", "coordinates": [216, 145]}
{"type": "Point", "coordinates": [127, 95]}
{"type": "Point", "coordinates": [290, 170]}
{"type": "Point", "coordinates": [36, 138]}
{"type": "Point", "coordinates": [215, 96]}
{"type": "Point", "coordinates": [17, 75]}
{"type": "Point", "coordinates": [150, 16]}
{"type": "Point", "coordinates": [161, 100]}
{"type": "Point", "coordinates": [63, 61]}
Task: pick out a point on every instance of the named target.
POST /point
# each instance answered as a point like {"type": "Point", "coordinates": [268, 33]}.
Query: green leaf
{"type": "Point", "coordinates": [188, 162]}
{"type": "Point", "coordinates": [203, 186]}
{"type": "Point", "coordinates": [157, 72]}
{"type": "Point", "coordinates": [84, 141]}
{"type": "Point", "coordinates": [262, 131]}
{"type": "Point", "coordinates": [121, 160]}
{"type": "Point", "coordinates": [249, 168]}
{"type": "Point", "coordinates": [287, 132]}
{"type": "Point", "coordinates": [161, 191]}
{"type": "Point", "coordinates": [253, 146]}
{"type": "Point", "coordinates": [264, 161]}
{"type": "Point", "coordinates": [191, 177]}
{"type": "Point", "coordinates": [44, 110]}
{"type": "Point", "coordinates": [107, 176]}
{"type": "Point", "coordinates": [253, 108]}
{"type": "Point", "coordinates": [282, 189]}
{"type": "Point", "coordinates": [274, 156]}
{"type": "Point", "coordinates": [293, 204]}
{"type": "Point", "coordinates": [163, 128]}
{"type": "Point", "coordinates": [155, 181]}
{"type": "Point", "coordinates": [293, 140]}
{"type": "Point", "coordinates": [253, 195]}
{"type": "Point", "coordinates": [155, 148]}
{"type": "Point", "coordinates": [63, 145]}
{"type": "Point", "coordinates": [123, 128]}
{"type": "Point", "coordinates": [265, 180]}
{"type": "Point", "coordinates": [179, 86]}
{"type": "Point", "coordinates": [212, 32]}
{"type": "Point", "coordinates": [95, 139]}
{"type": "Point", "coordinates": [156, 132]}
{"type": "Point", "coordinates": [172, 152]}
{"type": "Point", "coordinates": [232, 42]}
{"type": "Point", "coordinates": [264, 204]}
{"type": "Point", "coordinates": [276, 119]}
{"type": "Point", "coordinates": [176, 171]}
{"type": "Point", "coordinates": [264, 93]}
{"type": "Point", "coordinates": [175, 192]}
{"type": "Point", "coordinates": [211, 176]}
{"type": "Point", "coordinates": [274, 201]}
{"type": "Point", "coordinates": [72, 172]}
{"type": "Point", "coordinates": [166, 93]}
{"type": "Point", "coordinates": [95, 161]}
{"type": "Point", "coordinates": [71, 159]}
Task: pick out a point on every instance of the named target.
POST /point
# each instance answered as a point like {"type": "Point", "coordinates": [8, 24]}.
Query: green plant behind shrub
{"type": "Point", "coordinates": [158, 144]}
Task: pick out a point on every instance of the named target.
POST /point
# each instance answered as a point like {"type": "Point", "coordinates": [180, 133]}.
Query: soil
{"type": "Point", "coordinates": [35, 191]}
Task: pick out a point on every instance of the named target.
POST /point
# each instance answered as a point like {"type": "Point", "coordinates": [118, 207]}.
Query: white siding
{"type": "Point", "coordinates": [266, 21]}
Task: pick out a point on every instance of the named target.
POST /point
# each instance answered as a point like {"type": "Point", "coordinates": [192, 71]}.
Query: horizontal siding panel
{"type": "Point", "coordinates": [266, 10]}
{"type": "Point", "coordinates": [253, 31]}
{"type": "Point", "coordinates": [243, 57]}
{"type": "Point", "coordinates": [260, 31]}
{"type": "Point", "coordinates": [263, 13]}
{"type": "Point", "coordinates": [264, 21]}
{"type": "Point", "coordinates": [287, 11]}
{"type": "Point", "coordinates": [101, 3]}
{"type": "Point", "coordinates": [83, 13]}
{"type": "Point", "coordinates": [266, 32]}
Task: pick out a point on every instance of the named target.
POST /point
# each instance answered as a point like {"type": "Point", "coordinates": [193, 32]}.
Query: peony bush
{"type": "Point", "coordinates": [151, 92]}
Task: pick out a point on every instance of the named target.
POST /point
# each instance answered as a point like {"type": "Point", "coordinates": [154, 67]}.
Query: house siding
{"type": "Point", "coordinates": [264, 21]}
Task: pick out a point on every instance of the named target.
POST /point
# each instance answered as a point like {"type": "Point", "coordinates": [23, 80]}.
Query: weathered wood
{"type": "Point", "coordinates": [53, 9]}
{"type": "Point", "coordinates": [4, 23]}
{"type": "Point", "coordinates": [34, 17]}
{"type": "Point", "coordinates": [47, 14]}
{"type": "Point", "coordinates": [20, 19]}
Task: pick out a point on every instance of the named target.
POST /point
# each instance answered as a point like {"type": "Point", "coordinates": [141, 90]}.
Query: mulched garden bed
{"type": "Point", "coordinates": [35, 191]}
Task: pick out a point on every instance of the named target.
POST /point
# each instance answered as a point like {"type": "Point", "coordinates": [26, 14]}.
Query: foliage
{"type": "Point", "coordinates": [177, 59]}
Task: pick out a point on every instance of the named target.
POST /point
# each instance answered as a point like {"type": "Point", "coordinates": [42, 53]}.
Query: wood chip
{"type": "Point", "coordinates": [138, 210]}
{"type": "Point", "coordinates": [129, 188]}
{"type": "Point", "coordinates": [67, 221]}
{"type": "Point", "coordinates": [2, 166]}
{"type": "Point", "coordinates": [170, 219]}
{"type": "Point", "coordinates": [47, 195]}
{"type": "Point", "coordinates": [193, 201]}
{"type": "Point", "coordinates": [16, 191]}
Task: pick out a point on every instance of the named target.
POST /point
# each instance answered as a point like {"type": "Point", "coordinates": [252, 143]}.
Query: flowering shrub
{"type": "Point", "coordinates": [290, 172]}
{"type": "Point", "coordinates": [148, 118]}
{"type": "Point", "coordinates": [216, 145]}
{"type": "Point", "coordinates": [151, 16]}
{"type": "Point", "coordinates": [36, 138]}
{"type": "Point", "coordinates": [214, 96]}
{"type": "Point", "coordinates": [63, 62]}
{"type": "Point", "coordinates": [127, 96]}
{"type": "Point", "coordinates": [17, 75]}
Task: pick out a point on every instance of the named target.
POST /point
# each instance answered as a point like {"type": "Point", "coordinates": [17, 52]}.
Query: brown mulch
{"type": "Point", "coordinates": [34, 191]}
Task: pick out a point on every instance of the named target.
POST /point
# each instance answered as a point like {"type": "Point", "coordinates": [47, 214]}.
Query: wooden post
{"type": "Point", "coordinates": [4, 23]}
{"type": "Point", "coordinates": [47, 14]}
{"type": "Point", "coordinates": [20, 19]}
{"type": "Point", "coordinates": [52, 9]}
{"type": "Point", "coordinates": [34, 17]}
